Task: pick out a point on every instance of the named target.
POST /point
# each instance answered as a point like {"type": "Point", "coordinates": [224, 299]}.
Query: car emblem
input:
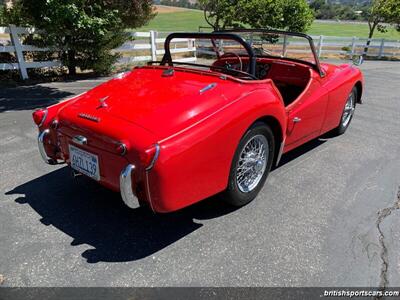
{"type": "Point", "coordinates": [103, 103]}
{"type": "Point", "coordinates": [89, 117]}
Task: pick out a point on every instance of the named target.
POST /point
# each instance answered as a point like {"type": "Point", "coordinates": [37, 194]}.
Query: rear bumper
{"type": "Point", "coordinates": [125, 182]}
{"type": "Point", "coordinates": [125, 179]}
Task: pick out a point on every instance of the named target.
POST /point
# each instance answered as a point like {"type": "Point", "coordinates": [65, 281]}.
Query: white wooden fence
{"type": "Point", "coordinates": [147, 46]}
{"type": "Point", "coordinates": [379, 48]}
{"type": "Point", "coordinates": [326, 46]}
{"type": "Point", "coordinates": [11, 41]}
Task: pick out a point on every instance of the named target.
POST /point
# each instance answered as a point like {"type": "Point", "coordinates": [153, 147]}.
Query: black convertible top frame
{"type": "Point", "coordinates": [167, 59]}
{"type": "Point", "coordinates": [231, 34]}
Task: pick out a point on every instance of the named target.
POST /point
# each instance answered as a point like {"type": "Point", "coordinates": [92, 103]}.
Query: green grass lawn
{"type": "Point", "coordinates": [346, 29]}
{"type": "Point", "coordinates": [191, 20]}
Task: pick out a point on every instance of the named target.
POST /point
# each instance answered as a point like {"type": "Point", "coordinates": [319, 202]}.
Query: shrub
{"type": "Point", "coordinates": [85, 31]}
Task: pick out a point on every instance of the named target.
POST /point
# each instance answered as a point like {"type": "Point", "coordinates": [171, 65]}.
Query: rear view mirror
{"type": "Point", "coordinates": [357, 60]}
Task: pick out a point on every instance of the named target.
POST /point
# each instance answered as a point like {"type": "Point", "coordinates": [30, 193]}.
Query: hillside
{"type": "Point", "coordinates": [182, 19]}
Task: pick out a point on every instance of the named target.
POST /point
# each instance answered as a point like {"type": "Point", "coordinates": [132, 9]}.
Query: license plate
{"type": "Point", "coordinates": [84, 162]}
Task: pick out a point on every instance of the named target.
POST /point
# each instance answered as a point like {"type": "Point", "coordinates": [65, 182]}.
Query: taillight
{"type": "Point", "coordinates": [150, 156]}
{"type": "Point", "coordinates": [39, 116]}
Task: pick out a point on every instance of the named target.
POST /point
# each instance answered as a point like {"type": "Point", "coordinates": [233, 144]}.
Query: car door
{"type": "Point", "coordinates": [306, 115]}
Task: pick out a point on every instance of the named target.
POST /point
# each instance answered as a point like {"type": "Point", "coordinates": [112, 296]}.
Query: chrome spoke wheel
{"type": "Point", "coordinates": [252, 163]}
{"type": "Point", "coordinates": [348, 110]}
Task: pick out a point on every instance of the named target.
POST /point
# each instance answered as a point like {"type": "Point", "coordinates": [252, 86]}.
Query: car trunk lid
{"type": "Point", "coordinates": [159, 102]}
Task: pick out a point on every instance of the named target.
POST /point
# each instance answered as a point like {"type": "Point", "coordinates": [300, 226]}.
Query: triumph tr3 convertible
{"type": "Point", "coordinates": [174, 132]}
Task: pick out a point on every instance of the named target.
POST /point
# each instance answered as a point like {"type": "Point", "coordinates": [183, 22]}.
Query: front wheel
{"type": "Point", "coordinates": [348, 112]}
{"type": "Point", "coordinates": [251, 165]}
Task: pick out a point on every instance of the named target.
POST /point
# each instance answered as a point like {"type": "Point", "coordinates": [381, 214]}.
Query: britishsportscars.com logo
{"type": "Point", "coordinates": [360, 293]}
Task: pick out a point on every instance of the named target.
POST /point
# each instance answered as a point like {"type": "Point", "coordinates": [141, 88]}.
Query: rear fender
{"type": "Point", "coordinates": [195, 163]}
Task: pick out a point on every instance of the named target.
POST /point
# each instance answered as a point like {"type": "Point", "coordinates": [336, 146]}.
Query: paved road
{"type": "Point", "coordinates": [328, 215]}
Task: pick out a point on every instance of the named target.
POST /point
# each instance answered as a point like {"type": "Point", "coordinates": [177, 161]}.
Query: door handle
{"type": "Point", "coordinates": [296, 120]}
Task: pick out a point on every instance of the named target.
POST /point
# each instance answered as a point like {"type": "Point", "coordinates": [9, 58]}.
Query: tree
{"type": "Point", "coordinates": [85, 30]}
{"type": "Point", "coordinates": [379, 13]}
{"type": "Point", "coordinates": [292, 15]}
{"type": "Point", "coordinates": [220, 14]}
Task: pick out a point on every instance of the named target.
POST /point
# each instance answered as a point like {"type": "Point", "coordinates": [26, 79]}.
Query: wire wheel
{"type": "Point", "coordinates": [252, 163]}
{"type": "Point", "coordinates": [348, 110]}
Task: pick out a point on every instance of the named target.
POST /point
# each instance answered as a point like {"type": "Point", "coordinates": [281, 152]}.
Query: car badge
{"type": "Point", "coordinates": [89, 117]}
{"type": "Point", "coordinates": [103, 103]}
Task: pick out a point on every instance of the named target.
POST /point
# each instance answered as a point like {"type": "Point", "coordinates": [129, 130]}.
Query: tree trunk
{"type": "Point", "coordinates": [71, 63]}
{"type": "Point", "coordinates": [370, 35]}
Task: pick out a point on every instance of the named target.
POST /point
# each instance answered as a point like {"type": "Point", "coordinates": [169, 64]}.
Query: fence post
{"type": "Point", "coordinates": [251, 39]}
{"type": "Point", "coordinates": [321, 40]}
{"type": "Point", "coordinates": [284, 49]}
{"type": "Point", "coordinates": [18, 51]}
{"type": "Point", "coordinates": [191, 47]}
{"type": "Point", "coordinates": [353, 46]}
{"type": "Point", "coordinates": [153, 45]}
{"type": "Point", "coordinates": [382, 47]}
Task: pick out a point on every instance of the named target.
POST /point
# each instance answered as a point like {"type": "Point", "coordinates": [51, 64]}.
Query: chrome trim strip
{"type": "Point", "coordinates": [148, 191]}
{"type": "Point", "coordinates": [42, 135]}
{"type": "Point", "coordinates": [208, 87]}
{"type": "Point", "coordinates": [148, 169]}
{"type": "Point", "coordinates": [125, 183]}
{"type": "Point", "coordinates": [278, 159]}
{"type": "Point", "coordinates": [46, 112]}
{"type": "Point", "coordinates": [155, 158]}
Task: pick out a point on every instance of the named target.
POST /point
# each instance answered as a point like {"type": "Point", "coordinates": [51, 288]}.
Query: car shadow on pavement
{"type": "Point", "coordinates": [303, 149]}
{"type": "Point", "coordinates": [29, 97]}
{"type": "Point", "coordinates": [93, 215]}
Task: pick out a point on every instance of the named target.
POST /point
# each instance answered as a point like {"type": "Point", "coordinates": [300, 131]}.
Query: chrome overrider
{"type": "Point", "coordinates": [125, 182]}
{"type": "Point", "coordinates": [48, 160]}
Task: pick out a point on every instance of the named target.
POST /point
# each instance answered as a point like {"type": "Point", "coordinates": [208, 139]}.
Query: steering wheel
{"type": "Point", "coordinates": [236, 55]}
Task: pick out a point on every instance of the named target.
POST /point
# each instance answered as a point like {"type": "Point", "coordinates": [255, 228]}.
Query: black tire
{"type": "Point", "coordinates": [342, 127]}
{"type": "Point", "coordinates": [233, 195]}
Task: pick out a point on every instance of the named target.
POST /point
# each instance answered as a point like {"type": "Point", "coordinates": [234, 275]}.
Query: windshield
{"type": "Point", "coordinates": [280, 45]}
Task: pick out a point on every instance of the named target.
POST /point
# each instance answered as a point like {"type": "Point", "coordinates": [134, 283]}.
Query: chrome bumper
{"type": "Point", "coordinates": [125, 182]}
{"type": "Point", "coordinates": [42, 151]}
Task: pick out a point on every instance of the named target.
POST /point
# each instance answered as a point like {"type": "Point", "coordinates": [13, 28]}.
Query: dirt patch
{"type": "Point", "coordinates": [162, 9]}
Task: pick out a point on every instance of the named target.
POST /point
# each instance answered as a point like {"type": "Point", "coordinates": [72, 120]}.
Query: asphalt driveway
{"type": "Point", "coordinates": [328, 216]}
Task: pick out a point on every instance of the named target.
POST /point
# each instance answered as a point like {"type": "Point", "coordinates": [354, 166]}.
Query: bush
{"type": "Point", "coordinates": [2, 22]}
{"type": "Point", "coordinates": [85, 31]}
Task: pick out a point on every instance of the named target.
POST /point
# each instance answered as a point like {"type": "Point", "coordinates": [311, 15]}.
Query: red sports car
{"type": "Point", "coordinates": [174, 132]}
